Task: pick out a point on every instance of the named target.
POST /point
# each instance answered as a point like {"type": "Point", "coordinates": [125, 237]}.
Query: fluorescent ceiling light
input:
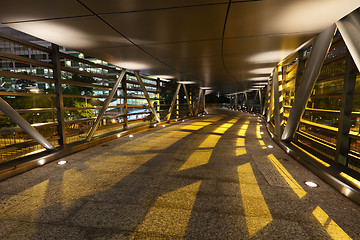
{"type": "Point", "coordinates": [262, 71]}
{"type": "Point", "coordinates": [186, 82]}
{"type": "Point", "coordinates": [164, 76]}
{"type": "Point", "coordinates": [258, 79]}
{"type": "Point", "coordinates": [269, 57]}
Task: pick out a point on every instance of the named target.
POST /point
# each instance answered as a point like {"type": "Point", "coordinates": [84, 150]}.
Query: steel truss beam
{"type": "Point", "coordinates": [168, 116]}
{"type": "Point", "coordinates": [151, 105]}
{"type": "Point", "coordinates": [188, 100]}
{"type": "Point", "coordinates": [317, 56]}
{"type": "Point", "coordinates": [198, 102]}
{"type": "Point", "coordinates": [25, 125]}
{"type": "Point", "coordinates": [105, 106]}
{"type": "Point", "coordinates": [349, 28]}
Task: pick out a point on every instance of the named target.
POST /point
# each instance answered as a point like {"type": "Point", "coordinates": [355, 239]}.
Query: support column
{"type": "Point", "coordinates": [246, 101]}
{"type": "Point", "coordinates": [253, 105]}
{"type": "Point", "coordinates": [317, 56]}
{"type": "Point", "coordinates": [151, 105]}
{"type": "Point", "coordinates": [343, 140]}
{"type": "Point", "coordinates": [19, 120]}
{"type": "Point", "coordinates": [173, 102]}
{"type": "Point", "coordinates": [188, 100]}
{"type": "Point", "coordinates": [236, 101]}
{"type": "Point", "coordinates": [55, 57]}
{"type": "Point", "coordinates": [105, 106]}
{"type": "Point", "coordinates": [204, 99]}
{"type": "Point", "coordinates": [125, 109]}
{"type": "Point", "coordinates": [198, 102]}
{"type": "Point", "coordinates": [275, 86]}
{"type": "Point", "coordinates": [260, 101]}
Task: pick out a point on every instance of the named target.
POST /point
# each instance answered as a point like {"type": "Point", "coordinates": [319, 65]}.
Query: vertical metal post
{"type": "Point", "coordinates": [236, 101]}
{"type": "Point", "coordinates": [125, 109]}
{"type": "Point", "coordinates": [343, 140]}
{"type": "Point", "coordinates": [137, 75]}
{"type": "Point", "coordinates": [253, 105]}
{"type": "Point", "coordinates": [271, 99]}
{"type": "Point", "coordinates": [173, 102]}
{"type": "Point", "coordinates": [19, 120]}
{"type": "Point", "coordinates": [158, 94]}
{"type": "Point", "coordinates": [198, 102]}
{"type": "Point", "coordinates": [105, 106]}
{"type": "Point", "coordinates": [204, 99]}
{"type": "Point", "coordinates": [55, 57]}
{"type": "Point", "coordinates": [188, 100]}
{"type": "Point", "coordinates": [260, 101]}
{"type": "Point", "coordinates": [317, 56]}
{"type": "Point", "coordinates": [276, 102]}
{"type": "Point", "coordinates": [300, 68]}
{"type": "Point", "coordinates": [246, 101]}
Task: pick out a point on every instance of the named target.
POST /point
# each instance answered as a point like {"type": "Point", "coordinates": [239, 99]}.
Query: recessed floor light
{"type": "Point", "coordinates": [311, 184]}
{"type": "Point", "coordinates": [118, 135]}
{"type": "Point", "coordinates": [270, 146]}
{"type": "Point", "coordinates": [260, 125]}
{"type": "Point", "coordinates": [41, 162]}
{"type": "Point", "coordinates": [163, 125]}
{"type": "Point", "coordinates": [183, 120]}
{"type": "Point", "coordinates": [131, 135]}
{"type": "Point", "coordinates": [62, 162]}
{"type": "Point", "coordinates": [261, 132]}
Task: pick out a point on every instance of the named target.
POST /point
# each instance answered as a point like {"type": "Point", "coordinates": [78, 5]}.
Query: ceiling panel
{"type": "Point", "coordinates": [258, 18]}
{"type": "Point", "coordinates": [20, 10]}
{"type": "Point", "coordinates": [171, 25]}
{"type": "Point", "coordinates": [76, 33]}
{"type": "Point", "coordinates": [180, 50]}
{"type": "Point", "coordinates": [140, 5]}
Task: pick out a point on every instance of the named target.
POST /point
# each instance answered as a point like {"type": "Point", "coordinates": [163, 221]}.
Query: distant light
{"type": "Point", "coordinates": [176, 120]}
{"type": "Point", "coordinates": [130, 136]}
{"type": "Point", "coordinates": [270, 146]}
{"type": "Point", "coordinates": [186, 82]}
{"type": "Point", "coordinates": [41, 162]}
{"type": "Point", "coordinates": [118, 135]}
{"type": "Point", "coordinates": [311, 184]}
{"type": "Point", "coordinates": [62, 162]}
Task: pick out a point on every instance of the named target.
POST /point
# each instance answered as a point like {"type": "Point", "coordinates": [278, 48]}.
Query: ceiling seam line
{"type": "Point", "coordinates": [47, 19]}
{"type": "Point", "coordinates": [109, 25]}
{"type": "Point", "coordinates": [222, 41]}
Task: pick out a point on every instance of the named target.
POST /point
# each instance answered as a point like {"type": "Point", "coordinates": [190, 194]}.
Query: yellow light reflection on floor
{"type": "Point", "coordinates": [197, 158]}
{"type": "Point", "coordinates": [243, 129]}
{"type": "Point", "coordinates": [287, 176]}
{"type": "Point", "coordinates": [196, 126]}
{"type": "Point", "coordinates": [169, 221]}
{"type": "Point", "coordinates": [160, 142]}
{"type": "Point", "coordinates": [258, 135]}
{"type": "Point", "coordinates": [330, 226]}
{"type": "Point", "coordinates": [240, 142]}
{"type": "Point", "coordinates": [223, 128]}
{"type": "Point", "coordinates": [257, 213]}
{"type": "Point", "coordinates": [210, 141]}
{"type": "Point", "coordinates": [261, 142]}
{"type": "Point", "coordinates": [240, 151]}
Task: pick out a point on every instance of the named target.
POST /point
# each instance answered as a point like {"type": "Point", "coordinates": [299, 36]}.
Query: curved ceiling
{"type": "Point", "coordinates": [226, 45]}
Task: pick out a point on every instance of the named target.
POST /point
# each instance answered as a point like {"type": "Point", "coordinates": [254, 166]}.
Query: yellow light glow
{"type": "Point", "coordinates": [223, 128]}
{"type": "Point", "coordinates": [330, 226]}
{"type": "Point", "coordinates": [257, 213]}
{"type": "Point", "coordinates": [351, 179]}
{"type": "Point", "coordinates": [287, 176]}
{"type": "Point", "coordinates": [169, 220]}
{"type": "Point", "coordinates": [281, 98]}
{"type": "Point", "coordinates": [197, 158]}
{"type": "Point", "coordinates": [240, 142]}
{"type": "Point", "coordinates": [269, 57]}
{"type": "Point", "coordinates": [240, 151]}
{"type": "Point", "coordinates": [312, 156]}
{"type": "Point", "coordinates": [34, 90]}
{"type": "Point", "coordinates": [210, 141]}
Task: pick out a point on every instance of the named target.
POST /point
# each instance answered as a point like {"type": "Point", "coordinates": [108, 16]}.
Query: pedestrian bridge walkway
{"type": "Point", "coordinates": [219, 176]}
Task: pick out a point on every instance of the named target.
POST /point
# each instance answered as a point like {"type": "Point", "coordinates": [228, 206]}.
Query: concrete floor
{"type": "Point", "coordinates": [208, 178]}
